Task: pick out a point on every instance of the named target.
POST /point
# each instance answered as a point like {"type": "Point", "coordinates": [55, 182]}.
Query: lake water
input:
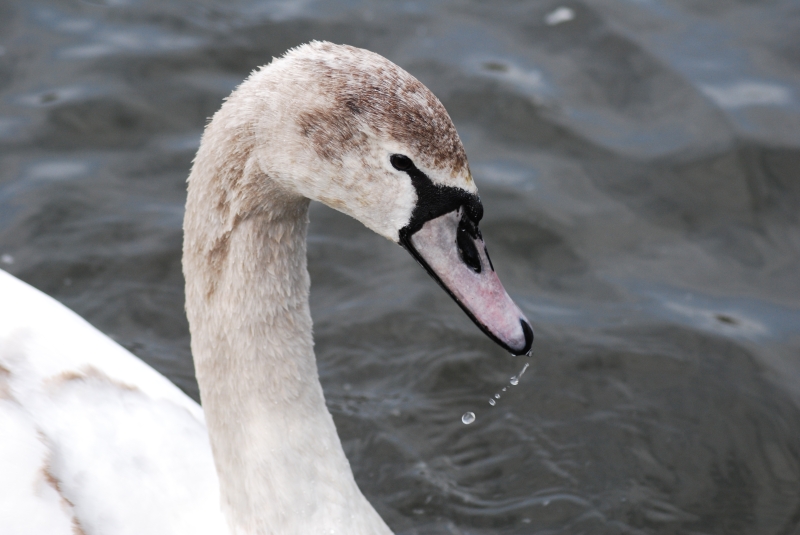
{"type": "Point", "coordinates": [639, 163]}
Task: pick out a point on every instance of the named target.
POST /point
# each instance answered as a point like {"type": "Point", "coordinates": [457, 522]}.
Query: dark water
{"type": "Point", "coordinates": [640, 168]}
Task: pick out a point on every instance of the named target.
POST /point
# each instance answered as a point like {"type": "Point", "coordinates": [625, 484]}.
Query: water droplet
{"type": "Point", "coordinates": [546, 503]}
{"type": "Point", "coordinates": [7, 259]}
{"type": "Point", "coordinates": [505, 388]}
{"type": "Point", "coordinates": [514, 381]}
{"type": "Point", "coordinates": [492, 402]}
{"type": "Point", "coordinates": [468, 417]}
{"type": "Point", "coordinates": [497, 396]}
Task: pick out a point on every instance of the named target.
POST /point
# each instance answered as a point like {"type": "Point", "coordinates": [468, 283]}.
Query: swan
{"type": "Point", "coordinates": [94, 441]}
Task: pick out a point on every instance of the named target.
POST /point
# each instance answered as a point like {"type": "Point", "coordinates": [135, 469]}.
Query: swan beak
{"type": "Point", "coordinates": [451, 250]}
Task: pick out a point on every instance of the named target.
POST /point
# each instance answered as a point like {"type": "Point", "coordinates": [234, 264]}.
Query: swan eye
{"type": "Point", "coordinates": [400, 162]}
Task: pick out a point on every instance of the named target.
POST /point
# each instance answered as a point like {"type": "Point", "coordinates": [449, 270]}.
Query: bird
{"type": "Point", "coordinates": [94, 441]}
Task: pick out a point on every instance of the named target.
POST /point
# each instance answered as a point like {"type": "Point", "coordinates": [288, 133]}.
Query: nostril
{"type": "Point", "coordinates": [467, 249]}
{"type": "Point", "coordinates": [526, 329]}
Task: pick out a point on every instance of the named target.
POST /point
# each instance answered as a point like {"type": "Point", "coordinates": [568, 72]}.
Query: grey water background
{"type": "Point", "coordinates": [639, 164]}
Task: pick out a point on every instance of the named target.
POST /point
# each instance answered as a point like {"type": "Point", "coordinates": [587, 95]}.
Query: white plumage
{"type": "Point", "coordinates": [91, 438]}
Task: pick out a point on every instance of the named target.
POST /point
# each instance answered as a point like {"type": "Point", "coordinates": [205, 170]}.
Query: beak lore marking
{"type": "Point", "coordinates": [443, 236]}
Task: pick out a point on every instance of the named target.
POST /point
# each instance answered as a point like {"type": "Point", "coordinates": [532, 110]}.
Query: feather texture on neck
{"type": "Point", "coordinates": [281, 466]}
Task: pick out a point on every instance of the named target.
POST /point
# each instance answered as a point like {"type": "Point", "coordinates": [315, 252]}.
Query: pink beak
{"type": "Point", "coordinates": [451, 249]}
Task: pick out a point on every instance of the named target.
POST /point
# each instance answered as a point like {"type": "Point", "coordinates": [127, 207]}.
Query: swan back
{"type": "Point", "coordinates": [94, 440]}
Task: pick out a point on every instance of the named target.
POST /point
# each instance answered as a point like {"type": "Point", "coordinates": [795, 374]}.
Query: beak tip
{"type": "Point", "coordinates": [528, 332]}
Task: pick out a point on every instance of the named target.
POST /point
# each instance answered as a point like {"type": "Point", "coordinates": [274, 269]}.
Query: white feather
{"type": "Point", "coordinates": [91, 437]}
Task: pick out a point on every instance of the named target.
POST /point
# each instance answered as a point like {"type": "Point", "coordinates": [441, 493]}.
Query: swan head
{"type": "Point", "coordinates": [365, 137]}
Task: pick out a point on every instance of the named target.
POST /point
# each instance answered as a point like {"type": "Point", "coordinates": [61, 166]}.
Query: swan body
{"type": "Point", "coordinates": [92, 439]}
{"type": "Point", "coordinates": [110, 446]}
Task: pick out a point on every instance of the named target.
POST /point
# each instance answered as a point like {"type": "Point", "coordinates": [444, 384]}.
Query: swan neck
{"type": "Point", "coordinates": [280, 462]}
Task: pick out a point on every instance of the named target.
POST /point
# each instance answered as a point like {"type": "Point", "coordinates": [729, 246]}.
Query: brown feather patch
{"type": "Point", "coordinates": [370, 92]}
{"type": "Point", "coordinates": [5, 387]}
{"type": "Point", "coordinates": [87, 373]}
{"type": "Point", "coordinates": [66, 504]}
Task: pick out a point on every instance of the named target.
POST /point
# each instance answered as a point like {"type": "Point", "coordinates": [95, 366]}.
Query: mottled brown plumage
{"type": "Point", "coordinates": [371, 92]}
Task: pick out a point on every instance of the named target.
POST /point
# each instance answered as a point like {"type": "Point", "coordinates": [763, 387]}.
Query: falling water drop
{"type": "Point", "coordinates": [468, 417]}
{"type": "Point", "coordinates": [514, 381]}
